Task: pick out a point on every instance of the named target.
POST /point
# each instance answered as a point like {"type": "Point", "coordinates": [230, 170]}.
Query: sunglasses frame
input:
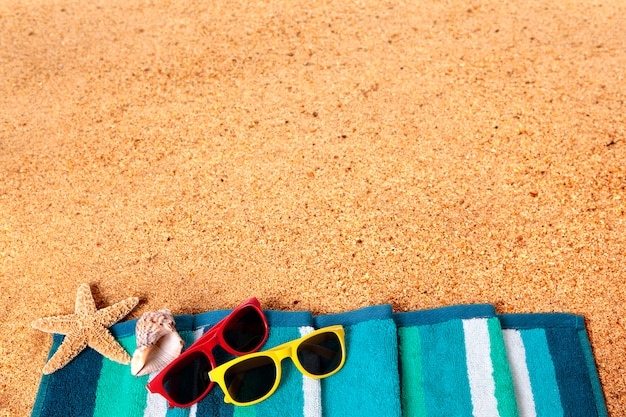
{"type": "Point", "coordinates": [278, 354]}
{"type": "Point", "coordinates": [205, 344]}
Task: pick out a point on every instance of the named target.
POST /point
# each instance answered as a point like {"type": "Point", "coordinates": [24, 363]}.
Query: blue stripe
{"type": "Point", "coordinates": [288, 319]}
{"type": "Point", "coordinates": [72, 390]}
{"type": "Point", "coordinates": [593, 373]}
{"type": "Point", "coordinates": [444, 364]}
{"type": "Point", "coordinates": [350, 318]}
{"type": "Point", "coordinates": [443, 314]}
{"type": "Point", "coordinates": [542, 375]}
{"type": "Point", "coordinates": [541, 321]}
{"type": "Point", "coordinates": [571, 372]}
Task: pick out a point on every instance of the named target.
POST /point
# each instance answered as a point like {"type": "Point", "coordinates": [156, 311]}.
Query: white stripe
{"type": "Point", "coordinates": [311, 389]}
{"type": "Point", "coordinates": [156, 405]}
{"type": "Point", "coordinates": [516, 353]}
{"type": "Point", "coordinates": [480, 368]}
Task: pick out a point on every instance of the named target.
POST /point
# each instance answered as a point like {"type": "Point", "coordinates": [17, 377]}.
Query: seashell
{"type": "Point", "coordinates": [158, 342]}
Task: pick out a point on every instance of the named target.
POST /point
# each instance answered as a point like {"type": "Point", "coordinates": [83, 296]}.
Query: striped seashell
{"type": "Point", "coordinates": [158, 342]}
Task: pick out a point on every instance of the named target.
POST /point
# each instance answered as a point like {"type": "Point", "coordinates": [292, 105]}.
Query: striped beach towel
{"type": "Point", "coordinates": [453, 361]}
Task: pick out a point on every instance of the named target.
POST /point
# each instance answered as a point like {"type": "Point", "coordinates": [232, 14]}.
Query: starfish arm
{"type": "Point", "coordinates": [85, 303]}
{"type": "Point", "coordinates": [71, 346]}
{"type": "Point", "coordinates": [103, 341]}
{"type": "Point", "coordinates": [110, 315]}
{"type": "Point", "coordinates": [56, 324]}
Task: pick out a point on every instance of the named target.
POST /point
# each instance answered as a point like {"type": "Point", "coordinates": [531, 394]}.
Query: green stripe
{"type": "Point", "coordinates": [119, 393]}
{"type": "Point", "coordinates": [412, 378]}
{"type": "Point", "coordinates": [247, 411]}
{"type": "Point", "coordinates": [505, 392]}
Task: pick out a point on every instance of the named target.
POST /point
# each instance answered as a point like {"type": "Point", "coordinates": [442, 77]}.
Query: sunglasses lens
{"type": "Point", "coordinates": [245, 331]}
{"type": "Point", "coordinates": [189, 380]}
{"type": "Point", "coordinates": [251, 379]}
{"type": "Point", "coordinates": [321, 354]}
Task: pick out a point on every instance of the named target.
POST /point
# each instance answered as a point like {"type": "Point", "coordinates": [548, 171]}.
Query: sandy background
{"type": "Point", "coordinates": [319, 156]}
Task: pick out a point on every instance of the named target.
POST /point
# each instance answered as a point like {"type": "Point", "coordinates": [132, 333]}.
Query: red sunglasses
{"type": "Point", "coordinates": [185, 381]}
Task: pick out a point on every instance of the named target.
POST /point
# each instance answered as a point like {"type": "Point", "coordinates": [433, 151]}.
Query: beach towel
{"type": "Point", "coordinates": [553, 367]}
{"type": "Point", "coordinates": [453, 363]}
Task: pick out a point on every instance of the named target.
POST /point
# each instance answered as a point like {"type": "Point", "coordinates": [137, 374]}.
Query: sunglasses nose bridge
{"type": "Point", "coordinates": [280, 353]}
{"type": "Point", "coordinates": [207, 342]}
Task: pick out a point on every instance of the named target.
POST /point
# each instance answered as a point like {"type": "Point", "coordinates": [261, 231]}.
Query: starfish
{"type": "Point", "coordinates": [88, 326]}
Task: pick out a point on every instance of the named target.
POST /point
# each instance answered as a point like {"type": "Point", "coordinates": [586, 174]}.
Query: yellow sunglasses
{"type": "Point", "coordinates": [252, 378]}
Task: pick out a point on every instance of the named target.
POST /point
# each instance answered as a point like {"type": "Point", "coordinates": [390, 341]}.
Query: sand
{"type": "Point", "coordinates": [321, 156]}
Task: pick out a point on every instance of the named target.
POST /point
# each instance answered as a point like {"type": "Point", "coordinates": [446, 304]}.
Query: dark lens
{"type": "Point", "coordinates": [321, 354]}
{"type": "Point", "coordinates": [189, 380]}
{"type": "Point", "coordinates": [245, 331]}
{"type": "Point", "coordinates": [251, 379]}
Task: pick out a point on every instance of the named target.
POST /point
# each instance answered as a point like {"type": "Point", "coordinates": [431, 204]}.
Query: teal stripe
{"type": "Point", "coordinates": [369, 382]}
{"type": "Point", "coordinates": [542, 374]}
{"type": "Point", "coordinates": [119, 393]}
{"type": "Point", "coordinates": [412, 385]}
{"type": "Point", "coordinates": [288, 400]}
{"type": "Point", "coordinates": [188, 338]}
{"type": "Point", "coordinates": [446, 388]}
{"type": "Point", "coordinates": [593, 373]}
{"type": "Point", "coordinates": [505, 392]}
